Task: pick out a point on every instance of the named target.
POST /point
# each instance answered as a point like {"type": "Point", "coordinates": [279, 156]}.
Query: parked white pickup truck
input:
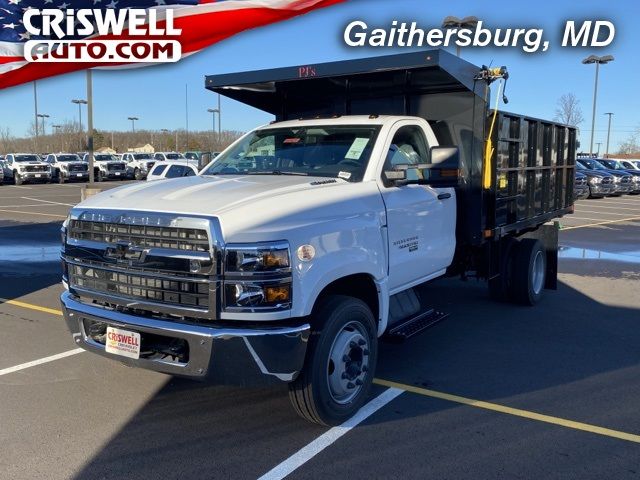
{"type": "Point", "coordinates": [302, 244]}
{"type": "Point", "coordinates": [107, 166]}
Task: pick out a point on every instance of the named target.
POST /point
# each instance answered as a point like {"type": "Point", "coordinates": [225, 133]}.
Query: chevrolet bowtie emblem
{"type": "Point", "coordinates": [125, 252]}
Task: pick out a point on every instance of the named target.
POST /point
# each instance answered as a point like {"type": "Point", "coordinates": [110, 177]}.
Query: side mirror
{"type": "Point", "coordinates": [442, 172]}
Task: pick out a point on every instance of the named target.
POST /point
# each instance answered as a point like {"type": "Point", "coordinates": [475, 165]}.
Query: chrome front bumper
{"type": "Point", "coordinates": [229, 354]}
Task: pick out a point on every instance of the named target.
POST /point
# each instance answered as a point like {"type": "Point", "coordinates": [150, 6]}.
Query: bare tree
{"type": "Point", "coordinates": [631, 145]}
{"type": "Point", "coordinates": [568, 110]}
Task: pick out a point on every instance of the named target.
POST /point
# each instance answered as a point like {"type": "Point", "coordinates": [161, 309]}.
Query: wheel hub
{"type": "Point", "coordinates": [348, 363]}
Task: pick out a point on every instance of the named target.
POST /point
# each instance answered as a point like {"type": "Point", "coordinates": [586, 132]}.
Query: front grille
{"type": "Point", "coordinates": [115, 167]}
{"type": "Point", "coordinates": [36, 168]}
{"type": "Point", "coordinates": [581, 182]}
{"type": "Point", "coordinates": [146, 288]}
{"type": "Point", "coordinates": [625, 180]}
{"type": "Point", "coordinates": [143, 236]}
{"type": "Point", "coordinates": [607, 180]}
{"type": "Point", "coordinates": [78, 167]}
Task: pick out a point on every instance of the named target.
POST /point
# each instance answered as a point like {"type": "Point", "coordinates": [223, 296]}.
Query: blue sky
{"type": "Point", "coordinates": [156, 94]}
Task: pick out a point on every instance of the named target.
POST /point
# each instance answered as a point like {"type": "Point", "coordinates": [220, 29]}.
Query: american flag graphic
{"type": "Point", "coordinates": [203, 23]}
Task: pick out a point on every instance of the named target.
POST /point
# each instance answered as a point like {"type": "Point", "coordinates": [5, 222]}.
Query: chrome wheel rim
{"type": "Point", "coordinates": [538, 273]}
{"type": "Point", "coordinates": [348, 362]}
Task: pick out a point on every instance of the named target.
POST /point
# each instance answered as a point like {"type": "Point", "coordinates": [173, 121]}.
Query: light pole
{"type": "Point", "coordinates": [43, 116]}
{"type": "Point", "coordinates": [608, 132]}
{"type": "Point", "coordinates": [598, 152]}
{"type": "Point", "coordinates": [165, 131]}
{"type": "Point", "coordinates": [79, 102]}
{"type": "Point", "coordinates": [56, 133]}
{"type": "Point", "coordinates": [598, 61]}
{"type": "Point", "coordinates": [35, 110]}
{"type": "Point", "coordinates": [213, 112]}
{"type": "Point", "coordinates": [455, 22]}
{"type": "Point", "coordinates": [133, 123]}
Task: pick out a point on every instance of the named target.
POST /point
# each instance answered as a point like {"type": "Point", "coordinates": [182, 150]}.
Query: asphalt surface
{"type": "Point", "coordinates": [574, 358]}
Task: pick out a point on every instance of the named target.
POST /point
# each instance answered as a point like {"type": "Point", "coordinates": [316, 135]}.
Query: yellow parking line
{"type": "Point", "coordinates": [34, 213]}
{"type": "Point", "coordinates": [600, 223]}
{"type": "Point", "coordinates": [630, 437]}
{"type": "Point", "coordinates": [30, 306]}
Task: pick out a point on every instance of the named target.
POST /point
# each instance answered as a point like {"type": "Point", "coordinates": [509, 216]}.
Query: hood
{"type": "Point", "coordinates": [252, 206]}
{"type": "Point", "coordinates": [618, 173]}
{"type": "Point", "coordinates": [596, 173]}
{"type": "Point", "coordinates": [206, 195]}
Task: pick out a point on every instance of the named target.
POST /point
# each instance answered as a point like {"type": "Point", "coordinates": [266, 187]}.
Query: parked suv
{"type": "Point", "coordinates": [622, 180]}
{"type": "Point", "coordinates": [619, 167]}
{"type": "Point", "coordinates": [139, 164]}
{"type": "Point", "coordinates": [600, 182]}
{"type": "Point", "coordinates": [27, 167]}
{"type": "Point", "coordinates": [107, 166]}
{"type": "Point", "coordinates": [580, 186]}
{"type": "Point", "coordinates": [67, 166]}
{"type": "Point", "coordinates": [164, 156]}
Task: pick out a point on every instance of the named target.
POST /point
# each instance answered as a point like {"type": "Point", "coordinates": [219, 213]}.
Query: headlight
{"type": "Point", "coordinates": [255, 258]}
{"type": "Point", "coordinates": [594, 180]}
{"type": "Point", "coordinates": [257, 277]}
{"type": "Point", "coordinates": [636, 178]}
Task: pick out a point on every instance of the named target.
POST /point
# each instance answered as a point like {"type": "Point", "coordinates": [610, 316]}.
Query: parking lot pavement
{"type": "Point", "coordinates": [41, 203]}
{"type": "Point", "coordinates": [559, 381]}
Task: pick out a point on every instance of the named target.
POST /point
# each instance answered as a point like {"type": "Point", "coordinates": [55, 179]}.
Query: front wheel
{"type": "Point", "coordinates": [100, 176]}
{"type": "Point", "coordinates": [61, 178]}
{"type": "Point", "coordinates": [17, 178]}
{"type": "Point", "coordinates": [340, 362]}
{"type": "Point", "coordinates": [137, 174]}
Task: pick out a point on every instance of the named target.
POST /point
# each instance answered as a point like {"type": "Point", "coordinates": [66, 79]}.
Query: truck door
{"type": "Point", "coordinates": [421, 220]}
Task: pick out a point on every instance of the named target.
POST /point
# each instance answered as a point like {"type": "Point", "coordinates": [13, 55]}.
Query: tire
{"type": "Point", "coordinates": [137, 174]}
{"type": "Point", "coordinates": [529, 271]}
{"type": "Point", "coordinates": [61, 179]}
{"type": "Point", "coordinates": [343, 339]}
{"type": "Point", "coordinates": [17, 178]}
{"type": "Point", "coordinates": [501, 287]}
{"type": "Point", "coordinates": [100, 176]}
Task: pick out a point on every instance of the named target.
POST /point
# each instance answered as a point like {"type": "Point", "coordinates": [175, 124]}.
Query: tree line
{"type": "Point", "coordinates": [69, 137]}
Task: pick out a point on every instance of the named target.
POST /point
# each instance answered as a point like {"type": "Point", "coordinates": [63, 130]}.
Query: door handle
{"type": "Point", "coordinates": [444, 196]}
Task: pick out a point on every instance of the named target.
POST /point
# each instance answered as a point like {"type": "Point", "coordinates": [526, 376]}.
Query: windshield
{"type": "Point", "coordinates": [68, 158]}
{"type": "Point", "coordinates": [612, 164]}
{"type": "Point", "coordinates": [104, 158]}
{"type": "Point", "coordinates": [174, 156]}
{"type": "Point", "coordinates": [592, 164]}
{"type": "Point", "coordinates": [320, 151]}
{"type": "Point", "coordinates": [191, 156]}
{"type": "Point", "coordinates": [27, 158]}
{"type": "Point", "coordinates": [142, 156]}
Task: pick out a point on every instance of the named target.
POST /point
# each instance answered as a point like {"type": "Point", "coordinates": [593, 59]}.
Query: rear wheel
{"type": "Point", "coordinates": [500, 287]}
{"type": "Point", "coordinates": [529, 271]}
{"type": "Point", "coordinates": [340, 362]}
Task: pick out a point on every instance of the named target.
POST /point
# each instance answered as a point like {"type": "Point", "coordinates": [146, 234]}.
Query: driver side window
{"type": "Point", "coordinates": [408, 147]}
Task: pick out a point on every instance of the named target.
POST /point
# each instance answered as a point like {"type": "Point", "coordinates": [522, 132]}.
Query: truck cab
{"type": "Point", "coordinates": [303, 243]}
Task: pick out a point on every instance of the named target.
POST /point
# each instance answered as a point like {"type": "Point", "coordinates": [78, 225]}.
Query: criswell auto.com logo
{"type": "Point", "coordinates": [101, 36]}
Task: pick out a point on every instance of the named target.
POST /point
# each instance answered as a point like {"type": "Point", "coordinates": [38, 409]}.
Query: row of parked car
{"type": "Point", "coordinates": [20, 168]}
{"type": "Point", "coordinates": [602, 177]}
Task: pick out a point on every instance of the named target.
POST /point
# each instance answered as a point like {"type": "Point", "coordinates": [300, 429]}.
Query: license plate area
{"type": "Point", "coordinates": [123, 342]}
{"type": "Point", "coordinates": [152, 346]}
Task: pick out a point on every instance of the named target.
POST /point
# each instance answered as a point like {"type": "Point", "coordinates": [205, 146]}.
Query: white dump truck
{"type": "Point", "coordinates": [304, 243]}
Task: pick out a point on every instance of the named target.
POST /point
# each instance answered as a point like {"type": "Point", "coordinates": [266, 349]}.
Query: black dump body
{"type": "Point", "coordinates": [532, 162]}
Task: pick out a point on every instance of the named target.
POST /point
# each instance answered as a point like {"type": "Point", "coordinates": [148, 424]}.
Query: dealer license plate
{"type": "Point", "coordinates": [37, 175]}
{"type": "Point", "coordinates": [117, 174]}
{"type": "Point", "coordinates": [78, 174]}
{"type": "Point", "coordinates": [123, 342]}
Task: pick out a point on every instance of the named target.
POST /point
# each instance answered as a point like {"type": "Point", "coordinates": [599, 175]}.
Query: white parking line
{"type": "Point", "coordinates": [603, 213]}
{"type": "Point", "coordinates": [34, 213]}
{"type": "Point", "coordinates": [309, 451]}
{"type": "Point", "coordinates": [40, 361]}
{"type": "Point", "coordinates": [595, 205]}
{"type": "Point", "coordinates": [18, 186]}
{"type": "Point", "coordinates": [49, 201]}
